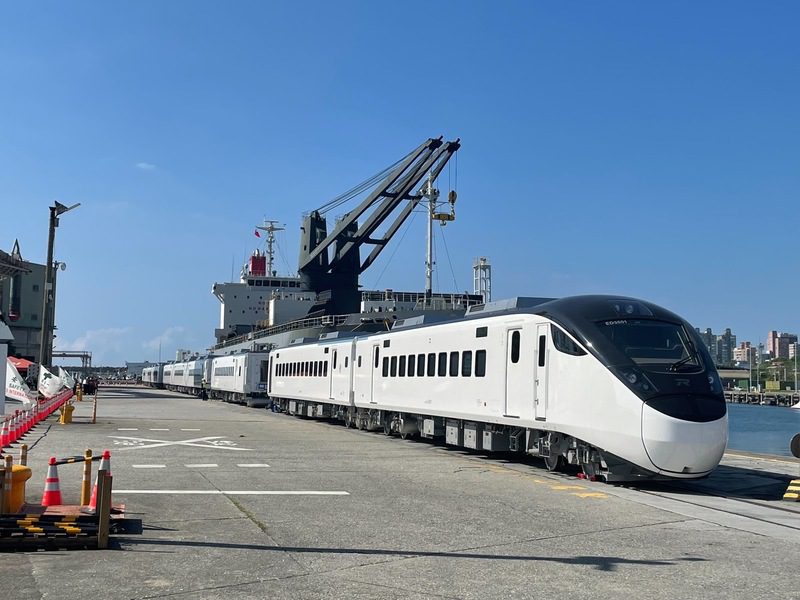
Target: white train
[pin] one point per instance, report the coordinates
(234, 378)
(619, 387)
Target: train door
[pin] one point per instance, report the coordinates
(516, 382)
(373, 372)
(332, 373)
(540, 372)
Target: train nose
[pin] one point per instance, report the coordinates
(683, 447)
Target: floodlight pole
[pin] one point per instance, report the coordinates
(48, 305)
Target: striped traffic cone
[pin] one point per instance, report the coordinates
(14, 428)
(105, 464)
(5, 435)
(52, 491)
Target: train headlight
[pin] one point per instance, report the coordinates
(714, 383)
(635, 379)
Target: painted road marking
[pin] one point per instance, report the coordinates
(201, 466)
(237, 492)
(158, 429)
(214, 441)
(252, 465)
(127, 429)
(149, 466)
(190, 430)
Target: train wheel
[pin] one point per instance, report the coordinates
(554, 463)
(348, 419)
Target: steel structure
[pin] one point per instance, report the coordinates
(330, 264)
(86, 357)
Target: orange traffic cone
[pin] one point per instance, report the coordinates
(5, 435)
(105, 465)
(52, 491)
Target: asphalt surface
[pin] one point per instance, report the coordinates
(253, 504)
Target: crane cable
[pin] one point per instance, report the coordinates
(360, 188)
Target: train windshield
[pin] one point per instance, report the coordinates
(657, 345)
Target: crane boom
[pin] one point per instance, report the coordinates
(330, 264)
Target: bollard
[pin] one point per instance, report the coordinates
(23, 455)
(79, 393)
(66, 413)
(94, 408)
(19, 475)
(87, 478)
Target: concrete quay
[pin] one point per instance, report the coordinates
(244, 503)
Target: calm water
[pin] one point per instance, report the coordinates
(764, 429)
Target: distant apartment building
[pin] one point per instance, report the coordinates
(779, 344)
(743, 353)
(721, 347)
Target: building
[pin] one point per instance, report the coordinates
(22, 302)
(743, 353)
(11, 266)
(720, 347)
(779, 344)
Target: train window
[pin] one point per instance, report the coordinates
(431, 364)
(346, 361)
(420, 365)
(454, 364)
(386, 343)
(466, 363)
(564, 343)
(481, 332)
(377, 356)
(359, 361)
(412, 364)
(542, 348)
(442, 368)
(325, 369)
(315, 371)
(240, 370)
(402, 372)
(515, 337)
(385, 366)
(393, 366)
(334, 359)
(326, 350)
(480, 363)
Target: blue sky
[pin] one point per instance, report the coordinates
(627, 148)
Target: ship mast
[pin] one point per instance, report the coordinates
(270, 227)
(431, 195)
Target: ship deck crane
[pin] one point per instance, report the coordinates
(330, 264)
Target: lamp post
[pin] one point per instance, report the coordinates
(48, 308)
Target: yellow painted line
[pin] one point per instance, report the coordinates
(589, 494)
(567, 487)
